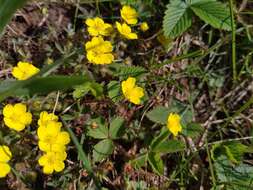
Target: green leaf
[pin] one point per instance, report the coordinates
(117, 128)
(159, 114)
(124, 71)
(140, 161)
(169, 146)
(7, 9)
(93, 87)
(177, 19)
(234, 177)
(192, 130)
(102, 150)
(233, 150)
(39, 85)
(213, 12)
(97, 128)
(156, 163)
(164, 134)
(44, 85)
(114, 91)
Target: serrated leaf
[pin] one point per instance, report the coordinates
(156, 162)
(234, 151)
(124, 71)
(97, 129)
(102, 150)
(116, 129)
(177, 19)
(169, 146)
(213, 12)
(234, 177)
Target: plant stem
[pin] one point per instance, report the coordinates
(210, 165)
(233, 26)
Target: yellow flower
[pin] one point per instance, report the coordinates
(129, 14)
(126, 31)
(99, 51)
(97, 26)
(144, 26)
(51, 138)
(45, 118)
(24, 70)
(52, 161)
(16, 117)
(132, 92)
(173, 123)
(5, 156)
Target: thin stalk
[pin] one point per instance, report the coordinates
(233, 27)
(210, 165)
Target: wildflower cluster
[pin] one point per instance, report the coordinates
(5, 156)
(100, 51)
(52, 141)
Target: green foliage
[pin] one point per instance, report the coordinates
(7, 9)
(125, 71)
(102, 150)
(159, 114)
(83, 89)
(178, 16)
(156, 162)
(82, 155)
(116, 128)
(233, 177)
(39, 85)
(233, 150)
(169, 146)
(114, 91)
(192, 130)
(97, 129)
(213, 12)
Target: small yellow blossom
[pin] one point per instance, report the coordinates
(51, 138)
(5, 156)
(126, 31)
(24, 70)
(132, 92)
(129, 14)
(46, 118)
(173, 123)
(97, 26)
(52, 161)
(144, 26)
(16, 116)
(99, 51)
